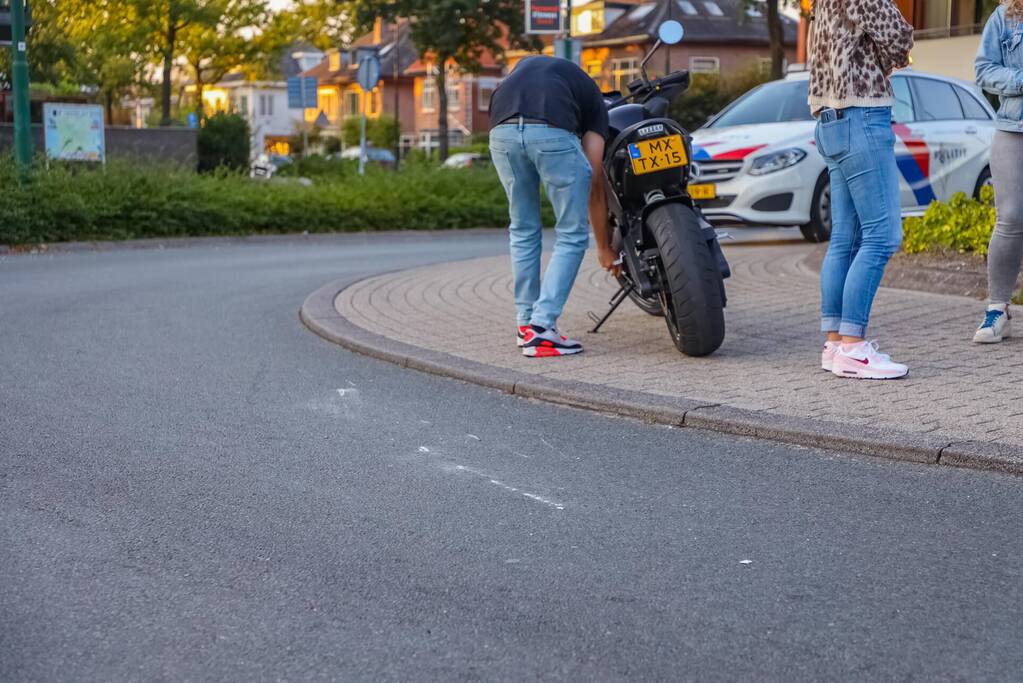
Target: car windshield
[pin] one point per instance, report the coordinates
(775, 102)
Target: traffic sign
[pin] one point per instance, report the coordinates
(369, 72)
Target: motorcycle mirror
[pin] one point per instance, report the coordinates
(671, 32)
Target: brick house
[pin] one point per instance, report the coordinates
(468, 102)
(339, 94)
(722, 37)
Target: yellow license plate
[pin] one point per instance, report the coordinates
(704, 191)
(659, 154)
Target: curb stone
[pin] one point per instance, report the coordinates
(319, 314)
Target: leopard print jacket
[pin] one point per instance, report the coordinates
(854, 47)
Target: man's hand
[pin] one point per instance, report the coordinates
(609, 259)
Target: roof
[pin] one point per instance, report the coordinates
(397, 46)
(705, 21)
(487, 63)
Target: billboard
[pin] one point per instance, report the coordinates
(544, 16)
(74, 132)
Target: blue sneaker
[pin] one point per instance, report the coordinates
(996, 325)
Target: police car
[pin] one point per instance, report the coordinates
(756, 163)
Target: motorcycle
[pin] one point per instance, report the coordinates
(671, 261)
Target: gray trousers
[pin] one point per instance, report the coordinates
(1005, 252)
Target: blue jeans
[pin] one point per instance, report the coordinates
(866, 221)
(526, 156)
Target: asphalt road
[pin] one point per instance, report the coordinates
(195, 487)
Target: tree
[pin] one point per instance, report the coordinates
(776, 36)
(452, 33)
(109, 52)
(775, 29)
(167, 24)
(321, 23)
(220, 42)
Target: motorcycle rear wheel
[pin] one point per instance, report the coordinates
(652, 306)
(691, 283)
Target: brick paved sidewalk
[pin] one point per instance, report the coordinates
(769, 361)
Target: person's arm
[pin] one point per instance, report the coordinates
(992, 74)
(886, 27)
(593, 148)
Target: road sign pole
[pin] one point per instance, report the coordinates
(19, 82)
(362, 139)
(305, 124)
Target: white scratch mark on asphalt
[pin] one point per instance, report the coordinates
(551, 446)
(473, 437)
(511, 489)
(424, 449)
(745, 561)
(344, 392)
(347, 404)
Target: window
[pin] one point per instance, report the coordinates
(266, 105)
(774, 102)
(334, 61)
(372, 103)
(704, 65)
(764, 66)
(935, 100)
(584, 22)
(902, 110)
(595, 70)
(244, 104)
(753, 11)
(713, 9)
(429, 94)
(352, 104)
(688, 8)
(971, 107)
(454, 96)
(623, 72)
(329, 103)
(487, 87)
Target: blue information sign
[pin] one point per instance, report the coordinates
(302, 92)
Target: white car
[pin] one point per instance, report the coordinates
(756, 163)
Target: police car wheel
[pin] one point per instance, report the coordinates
(819, 227)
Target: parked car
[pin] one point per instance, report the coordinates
(467, 160)
(266, 166)
(374, 155)
(757, 163)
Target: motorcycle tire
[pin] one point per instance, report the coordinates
(651, 306)
(691, 283)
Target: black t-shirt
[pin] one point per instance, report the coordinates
(554, 90)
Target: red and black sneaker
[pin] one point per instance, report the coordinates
(521, 336)
(546, 343)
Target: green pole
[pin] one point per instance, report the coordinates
(19, 64)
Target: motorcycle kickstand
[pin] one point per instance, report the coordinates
(615, 302)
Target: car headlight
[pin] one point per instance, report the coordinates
(776, 161)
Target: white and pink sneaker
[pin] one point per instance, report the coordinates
(864, 361)
(828, 355)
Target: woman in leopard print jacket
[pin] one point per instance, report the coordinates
(855, 46)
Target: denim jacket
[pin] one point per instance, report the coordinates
(999, 68)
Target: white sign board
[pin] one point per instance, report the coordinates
(74, 132)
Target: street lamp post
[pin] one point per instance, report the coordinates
(19, 83)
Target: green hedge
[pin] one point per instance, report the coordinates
(962, 224)
(74, 203)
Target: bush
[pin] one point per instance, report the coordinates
(962, 224)
(382, 132)
(316, 166)
(224, 142)
(130, 201)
